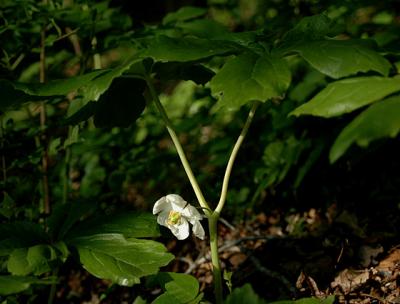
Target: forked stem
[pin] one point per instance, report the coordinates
(199, 194)
(212, 216)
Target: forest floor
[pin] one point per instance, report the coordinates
(283, 256)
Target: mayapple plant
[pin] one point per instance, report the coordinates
(240, 69)
(175, 213)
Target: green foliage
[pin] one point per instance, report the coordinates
(122, 260)
(340, 58)
(250, 77)
(347, 95)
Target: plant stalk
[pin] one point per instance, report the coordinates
(199, 194)
(232, 158)
(216, 266)
(42, 114)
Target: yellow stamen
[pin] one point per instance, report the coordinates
(174, 218)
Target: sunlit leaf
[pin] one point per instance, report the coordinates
(347, 95)
(378, 121)
(123, 261)
(340, 58)
(251, 77)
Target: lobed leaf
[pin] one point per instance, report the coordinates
(250, 77)
(340, 58)
(347, 95)
(378, 121)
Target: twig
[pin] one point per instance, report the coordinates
(42, 109)
(375, 297)
(227, 224)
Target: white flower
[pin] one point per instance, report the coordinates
(176, 214)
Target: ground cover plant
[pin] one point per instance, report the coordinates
(224, 152)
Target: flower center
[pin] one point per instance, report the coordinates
(174, 218)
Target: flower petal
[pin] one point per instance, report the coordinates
(198, 230)
(191, 214)
(176, 201)
(180, 231)
(162, 218)
(161, 204)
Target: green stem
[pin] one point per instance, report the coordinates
(216, 267)
(179, 149)
(232, 158)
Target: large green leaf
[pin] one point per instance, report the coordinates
(123, 261)
(163, 48)
(14, 284)
(379, 120)
(340, 58)
(60, 86)
(179, 288)
(347, 95)
(90, 86)
(244, 294)
(130, 224)
(333, 57)
(251, 77)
